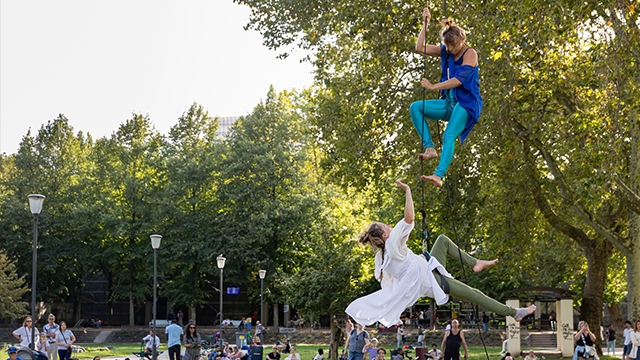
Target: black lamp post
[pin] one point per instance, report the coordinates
(262, 274)
(221, 260)
(35, 203)
(155, 244)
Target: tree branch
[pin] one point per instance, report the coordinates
(552, 217)
(626, 195)
(584, 215)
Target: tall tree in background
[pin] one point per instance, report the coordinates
(52, 163)
(126, 171)
(266, 206)
(12, 287)
(187, 207)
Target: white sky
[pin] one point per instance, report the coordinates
(97, 62)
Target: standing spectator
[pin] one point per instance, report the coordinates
(294, 354)
(171, 318)
(148, 341)
(23, 333)
(319, 355)
(505, 341)
(260, 331)
(357, 342)
(64, 340)
(485, 322)
(611, 340)
(552, 320)
(373, 349)
(452, 341)
(348, 326)
(192, 343)
(584, 337)
(180, 318)
(217, 337)
(420, 335)
(337, 336)
(49, 331)
(635, 341)
(400, 335)
(174, 332)
(274, 354)
(248, 324)
(627, 340)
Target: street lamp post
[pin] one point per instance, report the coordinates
(262, 274)
(35, 203)
(155, 244)
(221, 259)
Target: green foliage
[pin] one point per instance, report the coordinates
(12, 288)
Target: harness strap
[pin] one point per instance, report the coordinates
(443, 280)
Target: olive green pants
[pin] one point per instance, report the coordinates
(460, 290)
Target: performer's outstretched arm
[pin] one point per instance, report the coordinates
(409, 213)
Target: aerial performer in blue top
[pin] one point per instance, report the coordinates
(461, 103)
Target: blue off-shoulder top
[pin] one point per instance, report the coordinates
(468, 93)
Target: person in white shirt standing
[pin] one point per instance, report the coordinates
(64, 340)
(627, 340)
(23, 333)
(49, 331)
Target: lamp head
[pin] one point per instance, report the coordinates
(155, 241)
(35, 203)
(262, 274)
(221, 259)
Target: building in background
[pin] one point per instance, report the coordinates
(225, 124)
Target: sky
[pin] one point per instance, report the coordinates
(97, 62)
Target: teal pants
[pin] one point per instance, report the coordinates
(443, 247)
(436, 110)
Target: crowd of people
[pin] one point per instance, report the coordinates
(55, 340)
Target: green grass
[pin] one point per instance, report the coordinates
(121, 349)
(307, 352)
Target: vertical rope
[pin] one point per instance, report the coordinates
(453, 222)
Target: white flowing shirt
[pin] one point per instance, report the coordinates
(406, 277)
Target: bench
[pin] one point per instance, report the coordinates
(159, 323)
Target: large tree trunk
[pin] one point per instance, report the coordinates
(615, 317)
(592, 303)
(633, 256)
(132, 318)
(276, 315)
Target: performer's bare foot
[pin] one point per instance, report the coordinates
(522, 312)
(434, 179)
(428, 154)
(483, 264)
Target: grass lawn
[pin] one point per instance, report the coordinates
(121, 349)
(307, 352)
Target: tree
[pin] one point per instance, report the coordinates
(187, 205)
(12, 287)
(544, 86)
(53, 163)
(126, 172)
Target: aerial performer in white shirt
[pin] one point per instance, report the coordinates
(406, 277)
